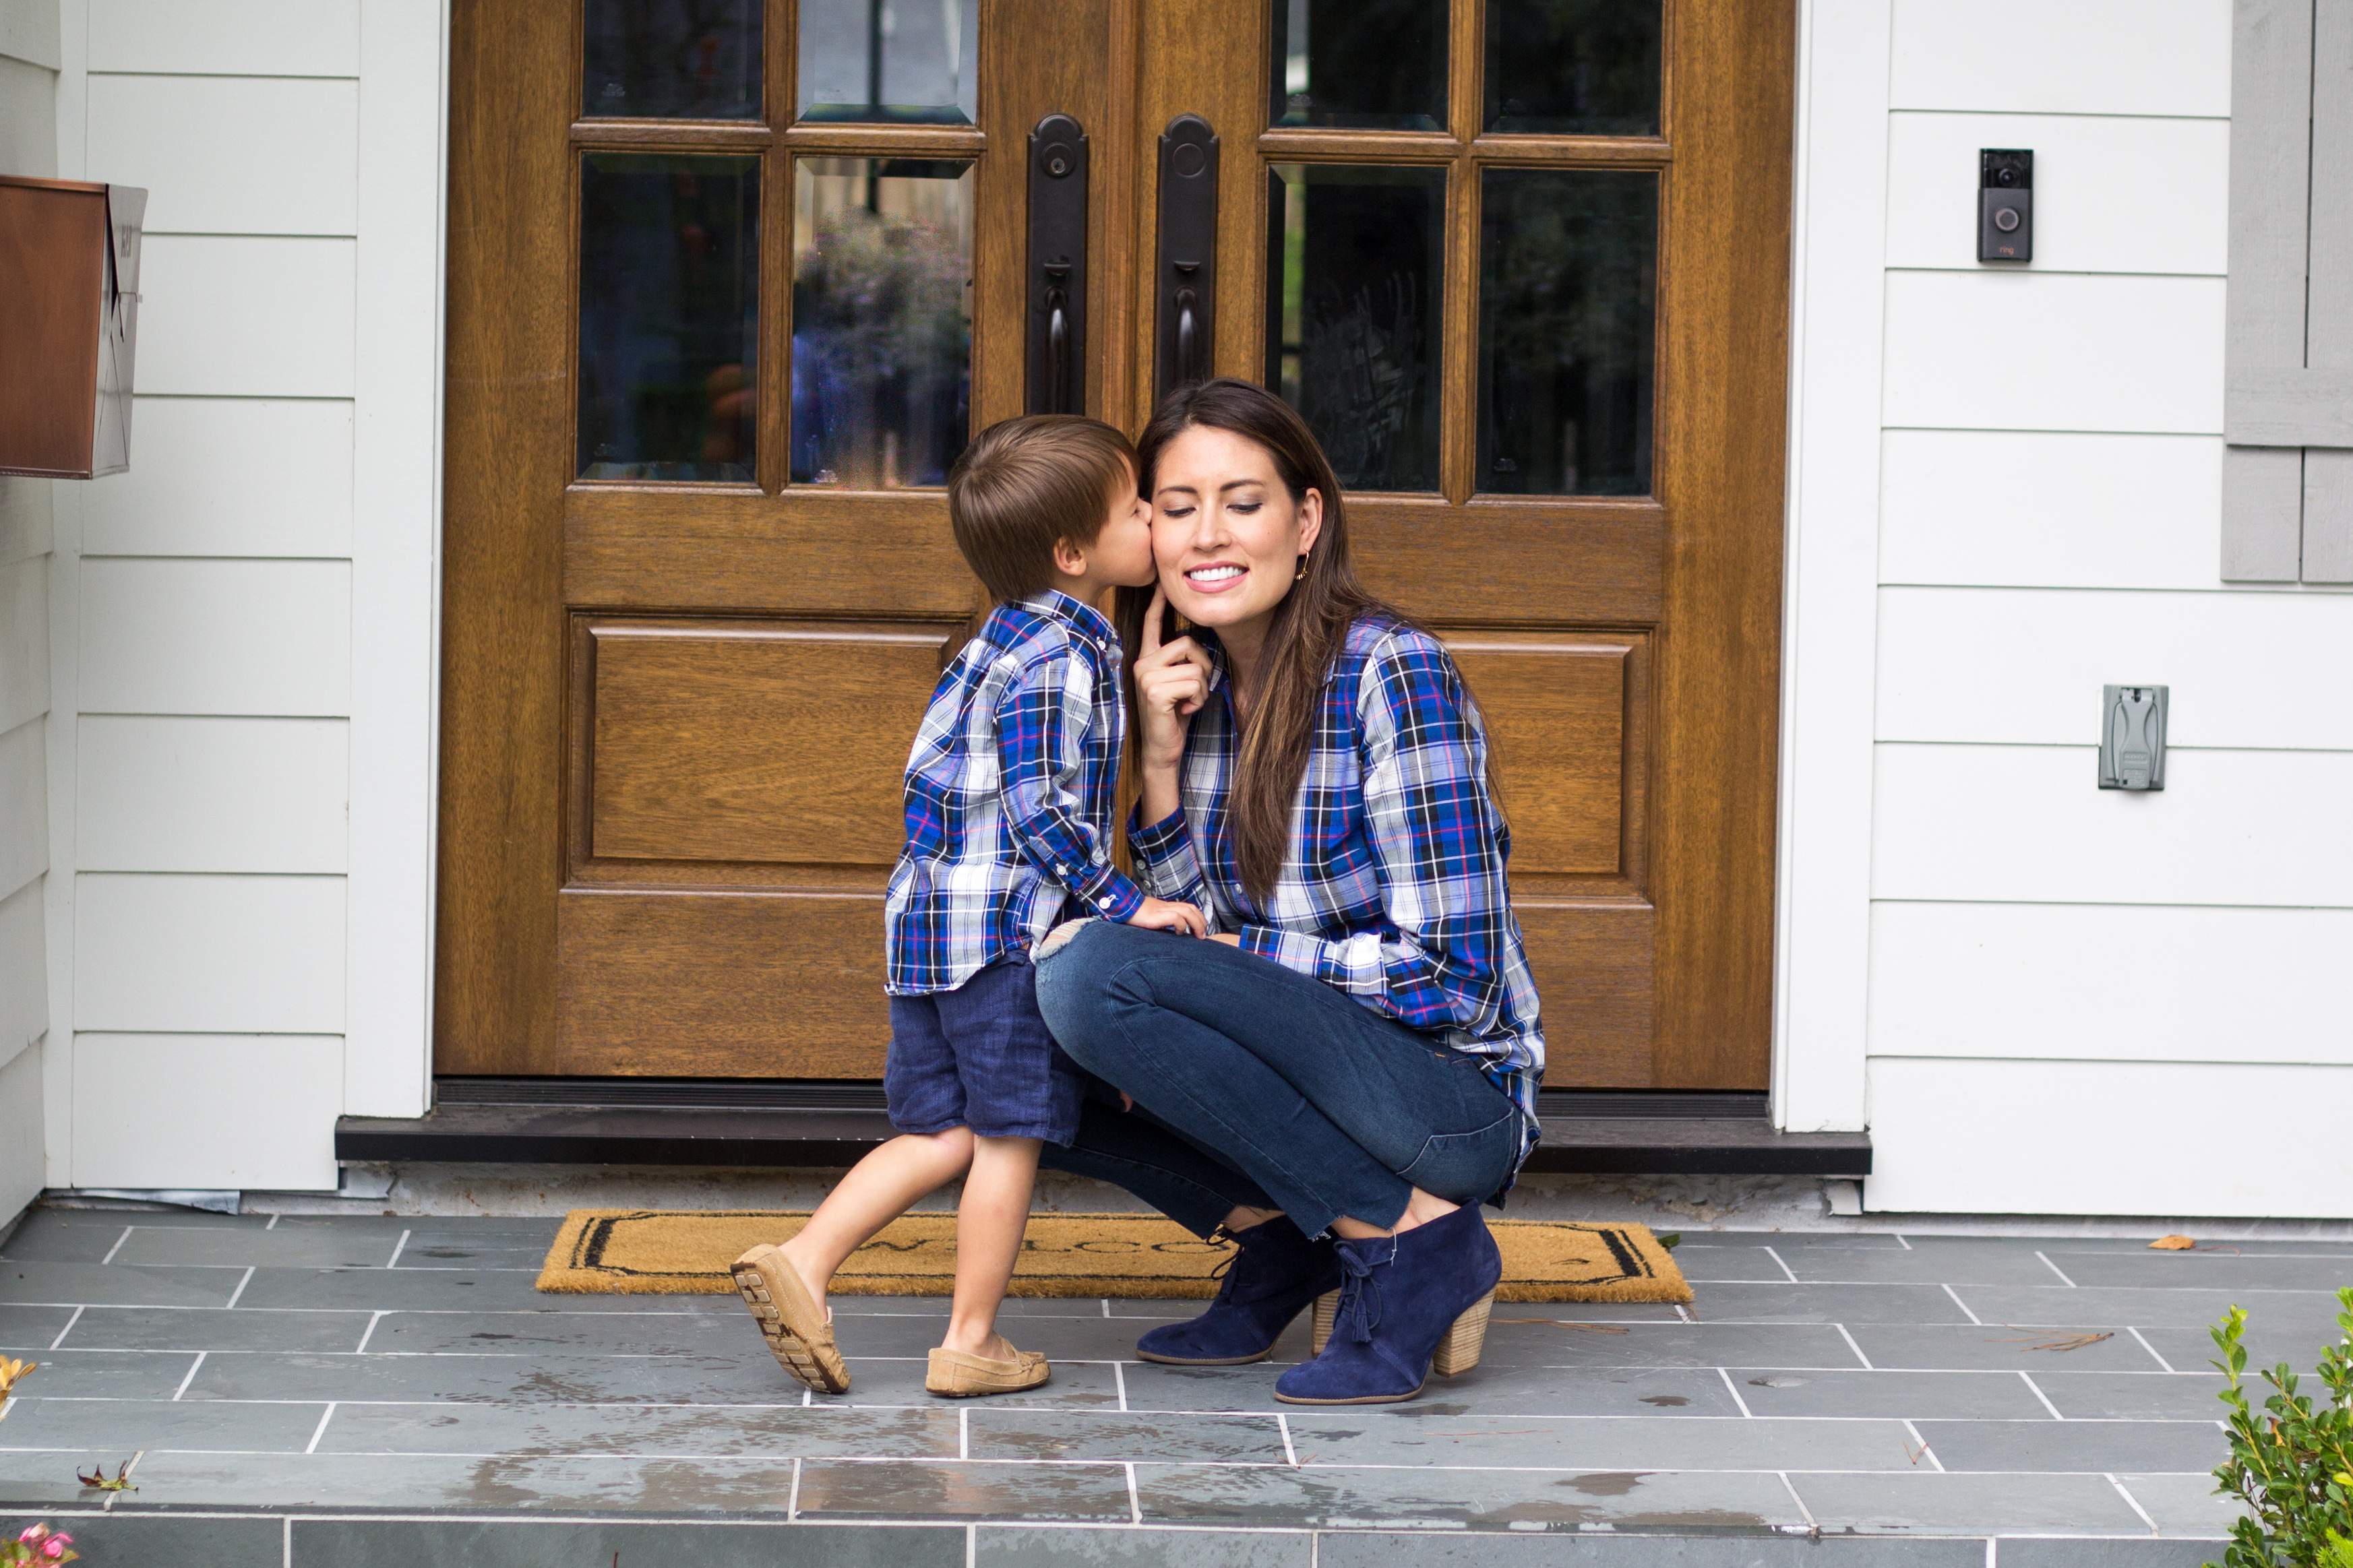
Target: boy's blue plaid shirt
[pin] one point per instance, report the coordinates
(1009, 796)
(1393, 890)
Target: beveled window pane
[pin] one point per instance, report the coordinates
(1573, 67)
(1358, 257)
(905, 61)
(1567, 318)
(881, 320)
(661, 59)
(669, 300)
(1377, 65)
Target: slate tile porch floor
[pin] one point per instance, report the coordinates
(384, 1391)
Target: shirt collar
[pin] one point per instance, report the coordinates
(1217, 652)
(1079, 615)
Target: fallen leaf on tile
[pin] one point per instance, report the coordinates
(2173, 1244)
(99, 1480)
(1564, 1323)
(2049, 1342)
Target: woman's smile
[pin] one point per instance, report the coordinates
(1216, 577)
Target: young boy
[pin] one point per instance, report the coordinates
(1008, 806)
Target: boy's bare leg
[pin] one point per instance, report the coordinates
(878, 1189)
(989, 1222)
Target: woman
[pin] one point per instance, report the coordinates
(1349, 1067)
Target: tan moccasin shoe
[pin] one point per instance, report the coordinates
(800, 1332)
(960, 1374)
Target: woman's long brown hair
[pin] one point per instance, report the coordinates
(1309, 629)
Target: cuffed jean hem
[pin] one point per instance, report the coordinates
(1319, 1101)
(1128, 1150)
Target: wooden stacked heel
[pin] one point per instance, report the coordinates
(1458, 1351)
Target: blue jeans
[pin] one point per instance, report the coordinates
(1262, 1086)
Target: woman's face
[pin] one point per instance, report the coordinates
(1225, 533)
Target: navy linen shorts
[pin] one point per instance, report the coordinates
(980, 1057)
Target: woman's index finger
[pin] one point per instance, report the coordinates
(1152, 620)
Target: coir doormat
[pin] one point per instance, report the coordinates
(679, 1253)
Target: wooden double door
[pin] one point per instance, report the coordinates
(731, 281)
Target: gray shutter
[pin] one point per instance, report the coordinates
(2287, 470)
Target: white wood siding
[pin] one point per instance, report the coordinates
(2111, 194)
(209, 954)
(23, 638)
(246, 315)
(275, 156)
(2026, 665)
(214, 1111)
(23, 987)
(2008, 823)
(2037, 509)
(216, 637)
(2058, 350)
(213, 795)
(2110, 983)
(28, 145)
(226, 38)
(2078, 1001)
(2062, 57)
(23, 812)
(230, 475)
(2162, 1139)
(217, 601)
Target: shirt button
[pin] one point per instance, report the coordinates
(1061, 870)
(1102, 903)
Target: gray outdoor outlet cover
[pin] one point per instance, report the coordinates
(2132, 737)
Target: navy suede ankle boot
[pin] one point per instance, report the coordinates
(1274, 1275)
(1409, 1301)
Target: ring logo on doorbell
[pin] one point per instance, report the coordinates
(2005, 204)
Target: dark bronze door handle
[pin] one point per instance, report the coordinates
(1056, 377)
(1187, 279)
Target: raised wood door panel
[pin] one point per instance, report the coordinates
(776, 744)
(675, 712)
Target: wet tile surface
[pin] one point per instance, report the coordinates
(1826, 1400)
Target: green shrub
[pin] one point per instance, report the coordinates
(2293, 1465)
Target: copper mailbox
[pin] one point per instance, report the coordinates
(69, 321)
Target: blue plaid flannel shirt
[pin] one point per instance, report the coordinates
(1009, 796)
(1393, 890)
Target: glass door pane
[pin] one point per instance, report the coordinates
(1573, 67)
(881, 354)
(659, 60)
(668, 316)
(1356, 266)
(905, 61)
(1567, 322)
(1370, 64)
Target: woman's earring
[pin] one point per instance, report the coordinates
(1301, 575)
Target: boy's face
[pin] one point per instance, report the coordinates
(1123, 551)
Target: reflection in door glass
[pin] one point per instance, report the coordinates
(696, 60)
(670, 293)
(1358, 255)
(1573, 67)
(881, 320)
(1372, 64)
(1567, 302)
(903, 60)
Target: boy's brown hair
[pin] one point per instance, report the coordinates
(1026, 483)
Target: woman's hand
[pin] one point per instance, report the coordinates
(1172, 681)
(1160, 914)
